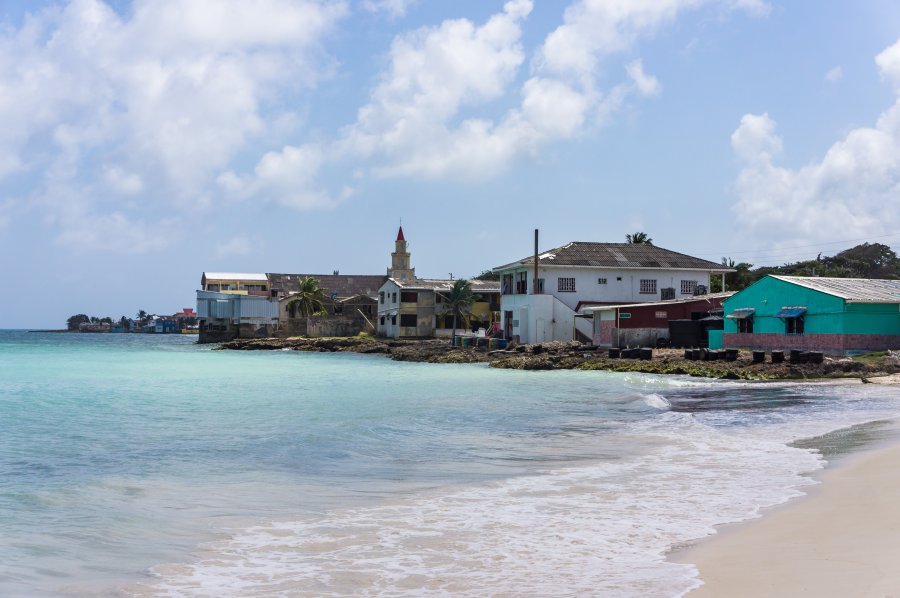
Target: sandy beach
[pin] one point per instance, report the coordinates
(843, 539)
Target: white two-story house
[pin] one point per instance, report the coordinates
(584, 274)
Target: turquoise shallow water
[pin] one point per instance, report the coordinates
(141, 464)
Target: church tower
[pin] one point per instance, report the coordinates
(400, 269)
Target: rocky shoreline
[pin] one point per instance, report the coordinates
(573, 355)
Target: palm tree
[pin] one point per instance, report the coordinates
(459, 302)
(638, 239)
(309, 299)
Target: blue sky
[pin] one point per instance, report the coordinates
(144, 142)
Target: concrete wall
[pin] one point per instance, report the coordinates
(626, 290)
(833, 344)
(538, 318)
(319, 326)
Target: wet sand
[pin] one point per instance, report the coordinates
(843, 539)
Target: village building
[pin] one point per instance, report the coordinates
(579, 275)
(350, 304)
(238, 283)
(227, 316)
(244, 305)
(831, 315)
(410, 307)
(677, 322)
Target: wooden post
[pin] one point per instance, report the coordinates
(535, 285)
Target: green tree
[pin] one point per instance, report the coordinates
(741, 279)
(638, 239)
(459, 302)
(75, 321)
(487, 275)
(309, 300)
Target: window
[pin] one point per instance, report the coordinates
(382, 320)
(540, 290)
(507, 285)
(393, 297)
(521, 283)
(688, 287)
(745, 325)
(662, 315)
(601, 281)
(408, 320)
(381, 299)
(648, 286)
(393, 320)
(565, 285)
(408, 297)
(793, 325)
(438, 298)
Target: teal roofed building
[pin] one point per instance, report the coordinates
(832, 315)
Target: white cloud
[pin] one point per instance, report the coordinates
(834, 75)
(239, 245)
(851, 192)
(286, 177)
(888, 62)
(648, 85)
(434, 114)
(394, 8)
(118, 233)
(435, 73)
(170, 94)
(122, 182)
(755, 139)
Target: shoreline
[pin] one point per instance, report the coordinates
(878, 368)
(840, 538)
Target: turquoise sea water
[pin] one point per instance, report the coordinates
(148, 465)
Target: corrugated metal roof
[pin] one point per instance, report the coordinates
(342, 285)
(255, 277)
(852, 290)
(618, 255)
(661, 302)
(431, 284)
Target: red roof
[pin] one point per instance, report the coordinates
(400, 235)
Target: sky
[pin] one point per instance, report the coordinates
(145, 142)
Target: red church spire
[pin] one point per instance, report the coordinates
(400, 236)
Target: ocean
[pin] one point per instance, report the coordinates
(143, 465)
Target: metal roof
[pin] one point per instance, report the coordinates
(691, 299)
(618, 255)
(431, 284)
(254, 277)
(342, 285)
(852, 290)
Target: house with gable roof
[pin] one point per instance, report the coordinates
(580, 275)
(831, 315)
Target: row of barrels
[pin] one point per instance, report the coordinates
(645, 353)
(711, 354)
(795, 356)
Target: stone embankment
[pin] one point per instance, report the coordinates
(573, 355)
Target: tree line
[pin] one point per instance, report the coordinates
(142, 319)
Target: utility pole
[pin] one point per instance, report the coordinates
(535, 287)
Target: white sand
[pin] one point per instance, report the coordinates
(842, 540)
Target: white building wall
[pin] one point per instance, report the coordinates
(541, 319)
(388, 308)
(621, 285)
